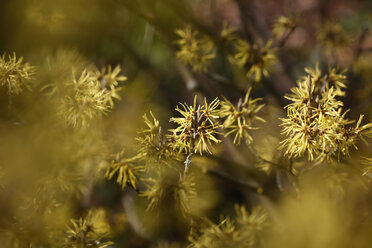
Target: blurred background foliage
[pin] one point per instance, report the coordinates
(53, 191)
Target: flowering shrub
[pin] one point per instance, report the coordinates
(191, 124)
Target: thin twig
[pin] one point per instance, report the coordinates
(188, 78)
(286, 37)
(244, 21)
(252, 186)
(188, 161)
(361, 39)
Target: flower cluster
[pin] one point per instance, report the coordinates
(15, 75)
(197, 128)
(126, 168)
(245, 232)
(90, 95)
(90, 231)
(85, 102)
(316, 124)
(334, 77)
(170, 186)
(240, 118)
(194, 49)
(109, 82)
(258, 58)
(198, 51)
(332, 36)
(156, 147)
(252, 225)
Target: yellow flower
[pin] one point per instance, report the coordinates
(14, 74)
(315, 122)
(197, 128)
(169, 185)
(84, 103)
(228, 33)
(258, 58)
(283, 24)
(90, 95)
(155, 147)
(90, 231)
(242, 53)
(194, 49)
(332, 36)
(245, 231)
(240, 118)
(251, 225)
(263, 59)
(126, 169)
(109, 82)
